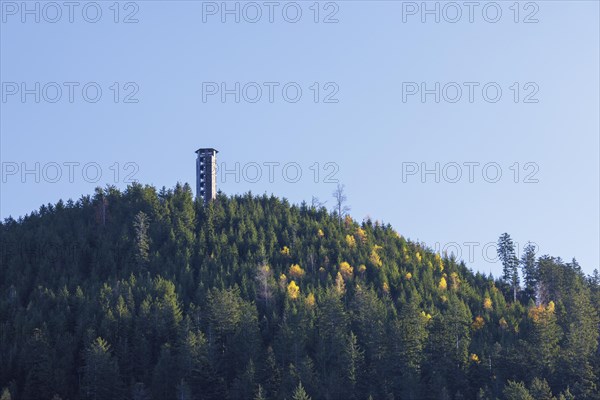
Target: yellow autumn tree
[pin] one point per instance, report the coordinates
(340, 286)
(310, 300)
(296, 271)
(285, 251)
(487, 304)
(443, 284)
(293, 290)
(362, 268)
(541, 312)
(408, 276)
(350, 241)
(454, 280)
(438, 262)
(346, 270)
(320, 233)
(348, 221)
(374, 257)
(418, 257)
(362, 235)
(478, 323)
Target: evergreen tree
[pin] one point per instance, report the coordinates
(540, 390)
(142, 245)
(409, 337)
(516, 391)
(300, 393)
(165, 378)
(544, 339)
(510, 272)
(529, 267)
(260, 394)
(101, 380)
(39, 380)
(355, 360)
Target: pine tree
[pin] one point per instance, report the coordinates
(355, 358)
(516, 391)
(408, 339)
(142, 245)
(165, 378)
(510, 263)
(544, 339)
(101, 380)
(566, 395)
(38, 383)
(260, 394)
(581, 340)
(529, 267)
(540, 390)
(332, 325)
(300, 393)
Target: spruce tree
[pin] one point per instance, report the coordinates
(510, 263)
(300, 393)
(101, 379)
(529, 268)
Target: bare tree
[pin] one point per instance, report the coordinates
(341, 207)
(264, 279)
(316, 203)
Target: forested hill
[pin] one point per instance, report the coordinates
(145, 294)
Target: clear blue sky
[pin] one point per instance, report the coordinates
(370, 134)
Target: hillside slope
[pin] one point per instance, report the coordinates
(145, 294)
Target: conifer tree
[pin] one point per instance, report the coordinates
(142, 244)
(101, 380)
(300, 393)
(516, 391)
(510, 271)
(529, 268)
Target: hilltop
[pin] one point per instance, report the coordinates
(147, 294)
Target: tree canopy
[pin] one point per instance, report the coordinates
(148, 294)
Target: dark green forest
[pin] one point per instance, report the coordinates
(146, 294)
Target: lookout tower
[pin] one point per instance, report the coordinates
(206, 174)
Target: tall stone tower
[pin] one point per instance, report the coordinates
(206, 174)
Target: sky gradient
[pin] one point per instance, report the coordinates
(361, 118)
